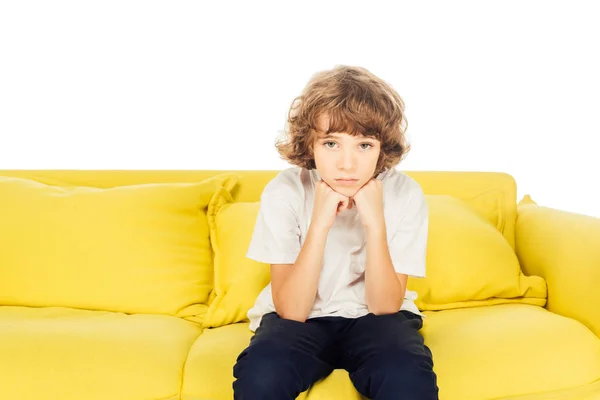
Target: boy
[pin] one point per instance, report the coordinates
(342, 230)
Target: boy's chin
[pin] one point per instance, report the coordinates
(346, 191)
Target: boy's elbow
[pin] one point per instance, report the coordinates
(293, 317)
(283, 312)
(290, 314)
(383, 309)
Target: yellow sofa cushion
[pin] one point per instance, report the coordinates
(238, 280)
(507, 350)
(68, 354)
(487, 352)
(209, 369)
(134, 249)
(469, 262)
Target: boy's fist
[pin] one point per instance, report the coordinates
(369, 203)
(327, 205)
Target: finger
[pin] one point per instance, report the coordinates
(342, 198)
(342, 205)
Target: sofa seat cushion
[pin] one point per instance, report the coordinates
(209, 368)
(509, 350)
(488, 352)
(67, 354)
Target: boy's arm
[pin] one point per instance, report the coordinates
(388, 266)
(294, 286)
(384, 288)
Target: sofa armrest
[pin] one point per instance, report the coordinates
(564, 249)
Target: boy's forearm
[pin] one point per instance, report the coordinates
(384, 293)
(299, 289)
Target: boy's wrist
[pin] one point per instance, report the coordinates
(318, 228)
(375, 231)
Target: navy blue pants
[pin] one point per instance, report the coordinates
(384, 354)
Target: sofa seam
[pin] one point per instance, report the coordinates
(185, 365)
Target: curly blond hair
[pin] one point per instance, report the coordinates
(356, 102)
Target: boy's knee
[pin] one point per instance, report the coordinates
(255, 382)
(263, 370)
(398, 370)
(403, 363)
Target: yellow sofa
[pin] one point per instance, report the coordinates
(133, 285)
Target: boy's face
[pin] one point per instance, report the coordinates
(345, 162)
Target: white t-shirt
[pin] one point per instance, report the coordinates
(282, 225)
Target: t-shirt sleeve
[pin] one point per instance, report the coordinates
(408, 246)
(276, 236)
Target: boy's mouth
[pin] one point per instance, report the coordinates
(346, 181)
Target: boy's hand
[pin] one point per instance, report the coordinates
(327, 205)
(369, 203)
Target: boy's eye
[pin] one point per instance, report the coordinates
(330, 145)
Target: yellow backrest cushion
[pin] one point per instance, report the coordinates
(133, 249)
(238, 280)
(469, 262)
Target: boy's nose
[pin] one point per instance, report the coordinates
(346, 161)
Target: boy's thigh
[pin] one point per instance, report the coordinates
(280, 338)
(284, 358)
(376, 337)
(273, 328)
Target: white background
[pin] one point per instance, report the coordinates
(508, 86)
